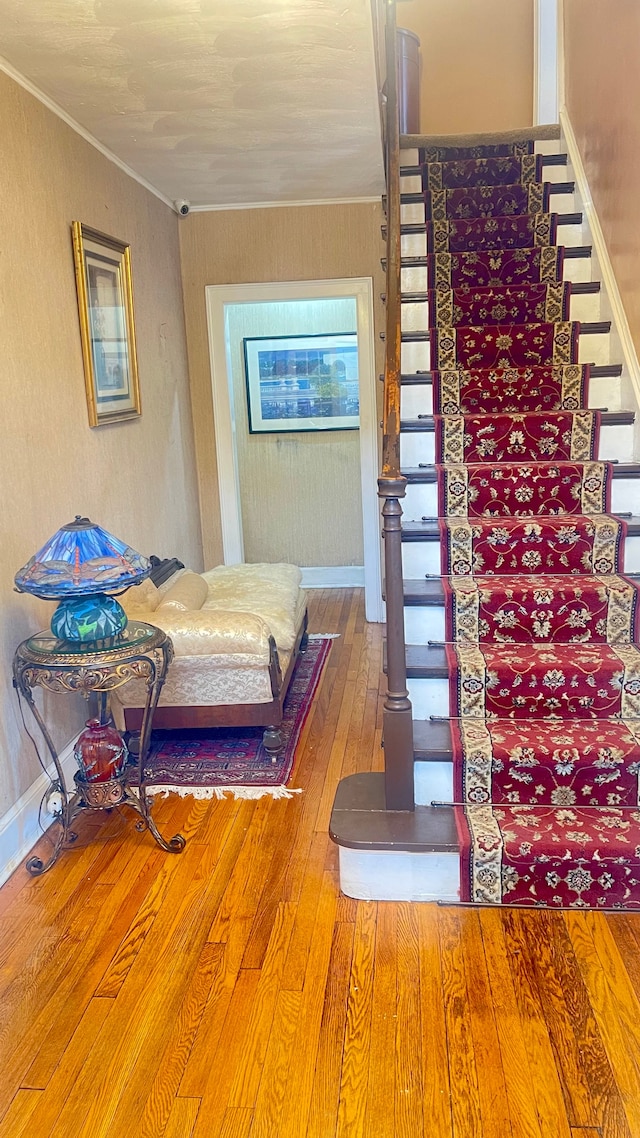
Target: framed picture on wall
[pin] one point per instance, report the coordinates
(107, 331)
(302, 383)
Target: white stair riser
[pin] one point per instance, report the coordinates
(616, 441)
(432, 782)
(421, 499)
(380, 875)
(423, 623)
(411, 183)
(420, 558)
(417, 399)
(429, 697)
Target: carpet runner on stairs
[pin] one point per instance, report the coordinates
(541, 623)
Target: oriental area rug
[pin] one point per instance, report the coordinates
(210, 763)
(542, 625)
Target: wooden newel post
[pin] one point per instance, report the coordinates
(397, 718)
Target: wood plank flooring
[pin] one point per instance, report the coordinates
(231, 992)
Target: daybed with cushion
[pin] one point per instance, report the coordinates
(236, 631)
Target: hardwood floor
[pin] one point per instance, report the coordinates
(231, 992)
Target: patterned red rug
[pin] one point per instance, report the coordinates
(504, 304)
(491, 391)
(492, 150)
(541, 624)
(496, 267)
(541, 681)
(548, 609)
(506, 171)
(524, 545)
(575, 763)
(525, 231)
(505, 345)
(545, 856)
(535, 489)
(208, 763)
(556, 436)
(487, 201)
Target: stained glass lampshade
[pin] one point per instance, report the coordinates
(82, 566)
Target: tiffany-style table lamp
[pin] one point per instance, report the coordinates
(82, 566)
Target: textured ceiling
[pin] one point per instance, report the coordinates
(215, 101)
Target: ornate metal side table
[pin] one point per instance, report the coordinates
(140, 652)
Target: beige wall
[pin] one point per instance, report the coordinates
(602, 79)
(316, 474)
(245, 246)
(477, 63)
(137, 478)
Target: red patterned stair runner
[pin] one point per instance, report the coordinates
(496, 390)
(541, 623)
(493, 267)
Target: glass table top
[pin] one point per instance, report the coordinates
(135, 635)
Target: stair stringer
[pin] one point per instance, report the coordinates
(622, 347)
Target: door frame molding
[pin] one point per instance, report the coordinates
(547, 47)
(361, 289)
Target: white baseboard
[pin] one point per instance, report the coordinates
(602, 263)
(333, 577)
(19, 828)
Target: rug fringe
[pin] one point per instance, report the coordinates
(223, 791)
(324, 636)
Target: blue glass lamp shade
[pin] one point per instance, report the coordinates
(82, 565)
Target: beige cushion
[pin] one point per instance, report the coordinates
(141, 598)
(216, 634)
(188, 594)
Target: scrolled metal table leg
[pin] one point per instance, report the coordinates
(154, 687)
(35, 865)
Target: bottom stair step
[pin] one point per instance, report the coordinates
(393, 855)
(360, 821)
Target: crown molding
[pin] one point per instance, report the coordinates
(281, 205)
(57, 110)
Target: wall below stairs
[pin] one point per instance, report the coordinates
(243, 246)
(477, 63)
(602, 94)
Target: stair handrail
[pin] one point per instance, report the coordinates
(397, 716)
(391, 414)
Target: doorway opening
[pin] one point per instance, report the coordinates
(294, 396)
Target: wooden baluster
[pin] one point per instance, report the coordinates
(397, 717)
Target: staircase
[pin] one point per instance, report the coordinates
(435, 825)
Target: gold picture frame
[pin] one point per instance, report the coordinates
(107, 329)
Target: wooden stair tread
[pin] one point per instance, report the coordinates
(583, 288)
(426, 424)
(432, 741)
(598, 371)
(571, 252)
(408, 228)
(360, 821)
(427, 473)
(587, 328)
(424, 592)
(429, 530)
(424, 661)
(417, 198)
(547, 160)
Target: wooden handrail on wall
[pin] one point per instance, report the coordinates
(397, 717)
